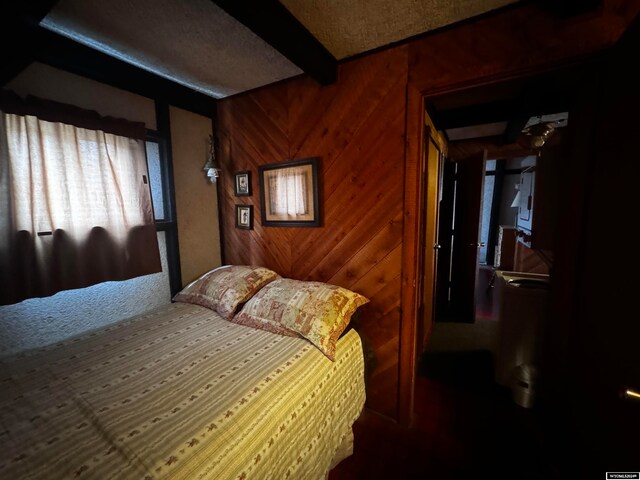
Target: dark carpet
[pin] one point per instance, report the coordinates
(463, 369)
(495, 437)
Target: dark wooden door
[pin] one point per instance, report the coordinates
(607, 332)
(445, 236)
(593, 332)
(466, 238)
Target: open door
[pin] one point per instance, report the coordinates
(434, 145)
(458, 272)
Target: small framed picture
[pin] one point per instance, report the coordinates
(244, 217)
(243, 184)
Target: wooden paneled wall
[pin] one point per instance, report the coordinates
(512, 43)
(367, 130)
(357, 128)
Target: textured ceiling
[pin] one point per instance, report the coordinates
(198, 45)
(349, 27)
(192, 42)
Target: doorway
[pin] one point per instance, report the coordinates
(590, 367)
(478, 214)
(490, 134)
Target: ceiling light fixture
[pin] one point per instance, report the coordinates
(539, 133)
(516, 200)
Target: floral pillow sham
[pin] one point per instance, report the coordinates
(317, 311)
(226, 288)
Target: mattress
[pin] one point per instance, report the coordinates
(179, 393)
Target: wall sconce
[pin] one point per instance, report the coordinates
(211, 168)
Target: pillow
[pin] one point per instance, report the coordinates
(223, 289)
(316, 311)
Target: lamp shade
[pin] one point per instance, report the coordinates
(516, 200)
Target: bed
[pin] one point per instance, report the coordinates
(180, 393)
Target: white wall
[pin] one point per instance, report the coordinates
(47, 82)
(196, 196)
(508, 214)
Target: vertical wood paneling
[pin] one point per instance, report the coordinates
(356, 127)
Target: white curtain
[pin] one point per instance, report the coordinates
(288, 193)
(75, 208)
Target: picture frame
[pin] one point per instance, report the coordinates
(242, 184)
(244, 217)
(289, 193)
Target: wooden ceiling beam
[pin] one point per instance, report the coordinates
(44, 46)
(63, 53)
(272, 22)
(23, 41)
(539, 97)
(18, 19)
(516, 123)
(511, 111)
(472, 115)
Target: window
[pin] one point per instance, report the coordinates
(76, 204)
(155, 166)
(158, 147)
(289, 193)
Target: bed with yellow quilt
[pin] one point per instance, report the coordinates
(225, 383)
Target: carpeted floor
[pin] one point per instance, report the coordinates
(462, 369)
(484, 295)
(494, 436)
(464, 427)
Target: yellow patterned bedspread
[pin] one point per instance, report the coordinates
(178, 393)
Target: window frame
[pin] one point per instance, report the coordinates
(169, 224)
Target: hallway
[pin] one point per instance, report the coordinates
(464, 427)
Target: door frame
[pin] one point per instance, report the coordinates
(413, 298)
(413, 244)
(416, 222)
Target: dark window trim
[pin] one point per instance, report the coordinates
(500, 172)
(161, 140)
(216, 140)
(510, 171)
(164, 226)
(496, 200)
(170, 223)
